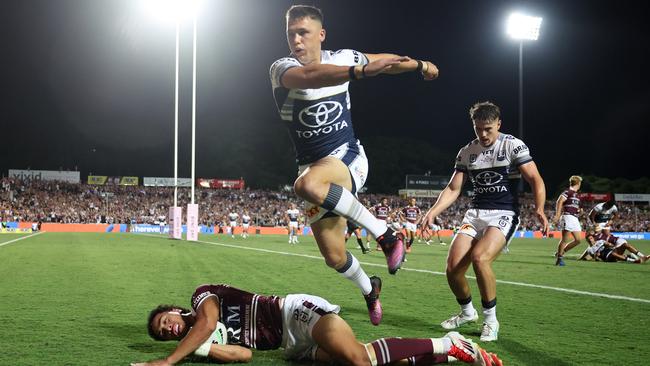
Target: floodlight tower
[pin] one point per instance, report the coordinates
(523, 28)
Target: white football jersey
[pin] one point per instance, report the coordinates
(603, 215)
(494, 171)
(318, 120)
(245, 219)
(233, 216)
(293, 214)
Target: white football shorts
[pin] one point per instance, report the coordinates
(570, 223)
(300, 313)
(476, 221)
(357, 163)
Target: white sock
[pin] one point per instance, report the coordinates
(468, 309)
(441, 345)
(638, 253)
(342, 202)
(490, 315)
(352, 271)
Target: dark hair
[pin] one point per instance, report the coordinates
(301, 11)
(609, 203)
(484, 111)
(156, 311)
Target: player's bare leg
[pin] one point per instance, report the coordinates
(575, 242)
(327, 183)
(331, 244)
(314, 186)
(484, 252)
(561, 247)
(336, 341)
(458, 261)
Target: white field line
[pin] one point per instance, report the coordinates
(24, 237)
(522, 284)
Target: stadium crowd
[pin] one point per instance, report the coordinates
(49, 201)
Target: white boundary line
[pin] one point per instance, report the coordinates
(522, 284)
(24, 237)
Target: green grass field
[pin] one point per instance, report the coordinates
(82, 299)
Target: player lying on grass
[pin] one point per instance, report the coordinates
(609, 248)
(307, 328)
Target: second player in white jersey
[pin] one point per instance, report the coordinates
(493, 162)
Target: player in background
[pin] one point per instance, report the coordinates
(494, 162)
(353, 229)
(310, 88)
(162, 223)
(381, 211)
(434, 228)
(603, 214)
(609, 248)
(291, 217)
(307, 327)
(410, 216)
(232, 219)
(567, 209)
(245, 224)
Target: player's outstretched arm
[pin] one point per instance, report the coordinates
(531, 175)
(428, 69)
(205, 323)
(446, 198)
(229, 353)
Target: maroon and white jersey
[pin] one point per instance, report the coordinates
(253, 321)
(411, 213)
(571, 205)
(609, 238)
(382, 212)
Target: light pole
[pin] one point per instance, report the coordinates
(522, 28)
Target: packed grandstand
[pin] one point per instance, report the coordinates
(62, 202)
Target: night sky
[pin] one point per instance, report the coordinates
(90, 84)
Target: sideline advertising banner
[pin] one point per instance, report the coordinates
(70, 177)
(165, 182)
(97, 179)
(221, 183)
(129, 181)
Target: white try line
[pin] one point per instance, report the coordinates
(522, 284)
(23, 238)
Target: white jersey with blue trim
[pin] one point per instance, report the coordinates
(293, 214)
(603, 215)
(318, 120)
(494, 171)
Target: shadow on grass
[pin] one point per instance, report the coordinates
(136, 337)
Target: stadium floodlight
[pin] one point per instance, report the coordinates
(172, 10)
(523, 27)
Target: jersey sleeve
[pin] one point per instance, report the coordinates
(461, 161)
(348, 57)
(200, 294)
(519, 152)
(278, 69)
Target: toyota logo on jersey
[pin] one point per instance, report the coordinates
(488, 178)
(321, 114)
